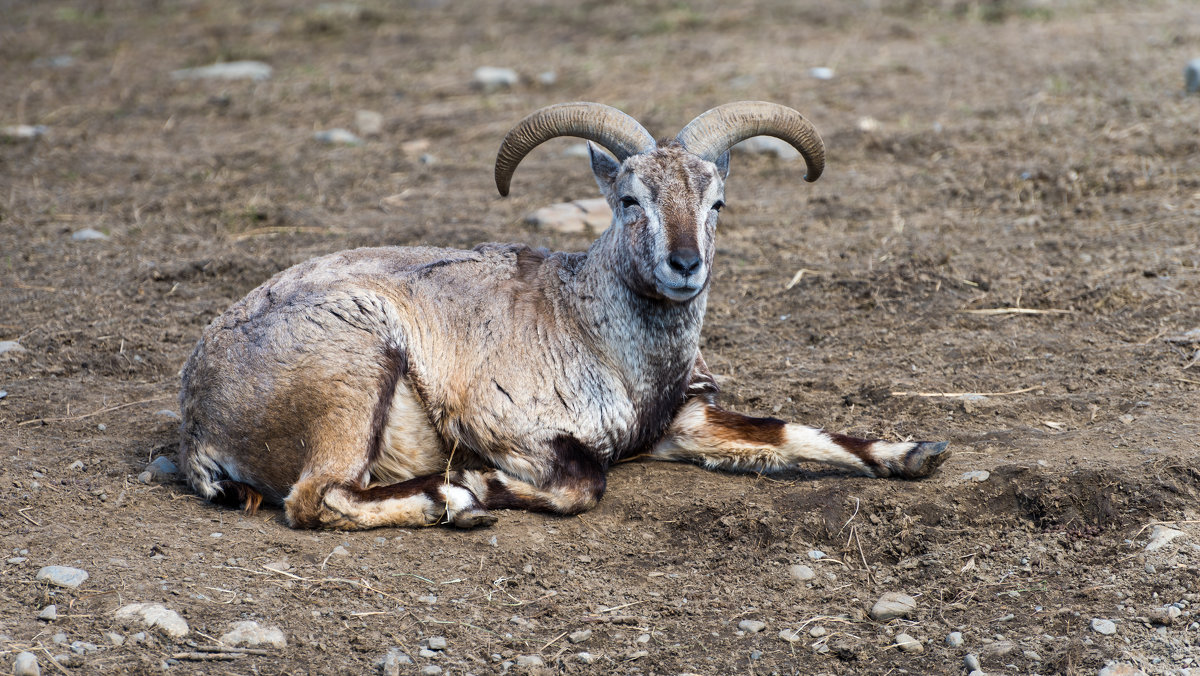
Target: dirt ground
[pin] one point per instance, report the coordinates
(981, 156)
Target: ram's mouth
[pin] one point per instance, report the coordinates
(680, 292)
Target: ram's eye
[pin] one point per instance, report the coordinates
(628, 202)
(718, 205)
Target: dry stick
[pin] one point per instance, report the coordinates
(552, 641)
(97, 412)
(227, 649)
(27, 517)
(342, 580)
(858, 541)
(208, 657)
(1188, 380)
(963, 394)
(54, 661)
(1015, 311)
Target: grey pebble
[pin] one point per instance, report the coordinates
(801, 572)
(954, 639)
(49, 613)
(768, 145)
(253, 635)
(369, 122)
(10, 346)
(23, 132)
(1032, 656)
(83, 647)
(585, 657)
(1191, 75)
(232, 70)
(971, 662)
(426, 653)
(893, 605)
(18, 559)
(436, 643)
(977, 476)
(389, 664)
(167, 413)
(114, 638)
(338, 136)
(4, 393)
(752, 626)
(431, 670)
(909, 644)
(88, 235)
(816, 554)
(161, 470)
(77, 465)
(490, 78)
(528, 661)
(63, 576)
(580, 636)
(817, 631)
(26, 664)
(1103, 626)
(790, 635)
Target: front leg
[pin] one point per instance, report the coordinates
(704, 433)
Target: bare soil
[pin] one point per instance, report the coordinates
(982, 155)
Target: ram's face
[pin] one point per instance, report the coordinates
(666, 202)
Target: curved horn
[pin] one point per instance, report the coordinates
(617, 132)
(716, 131)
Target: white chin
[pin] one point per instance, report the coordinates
(678, 294)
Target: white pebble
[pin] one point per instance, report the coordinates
(63, 576)
(1191, 76)
(821, 73)
(801, 572)
(232, 70)
(1160, 536)
(977, 476)
(23, 132)
(954, 639)
(49, 613)
(893, 605)
(909, 644)
(489, 78)
(436, 643)
(816, 554)
(338, 136)
(88, 235)
(790, 635)
(252, 635)
(752, 626)
(26, 664)
(1103, 626)
(154, 615)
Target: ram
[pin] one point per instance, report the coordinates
(404, 386)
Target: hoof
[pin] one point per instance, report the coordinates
(924, 458)
(473, 518)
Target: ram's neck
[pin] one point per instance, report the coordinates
(653, 340)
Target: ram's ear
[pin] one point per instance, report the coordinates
(604, 168)
(723, 165)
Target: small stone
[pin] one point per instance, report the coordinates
(251, 635)
(1160, 536)
(1121, 669)
(436, 643)
(893, 605)
(368, 122)
(101, 427)
(490, 79)
(580, 216)
(83, 647)
(161, 470)
(114, 638)
(585, 657)
(77, 466)
(580, 636)
(790, 635)
(1032, 655)
(816, 554)
(4, 393)
(88, 235)
(340, 551)
(430, 670)
(868, 124)
(426, 653)
(529, 661)
(1161, 616)
(49, 613)
(154, 615)
(338, 136)
(167, 413)
(26, 664)
(1103, 626)
(63, 576)
(12, 346)
(821, 73)
(801, 572)
(977, 476)
(998, 649)
(18, 560)
(768, 145)
(547, 78)
(23, 132)
(1191, 76)
(817, 631)
(752, 626)
(909, 644)
(971, 662)
(954, 639)
(428, 600)
(389, 664)
(232, 70)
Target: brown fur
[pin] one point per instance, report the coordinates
(736, 427)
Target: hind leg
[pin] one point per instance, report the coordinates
(322, 502)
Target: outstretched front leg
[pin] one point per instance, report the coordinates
(704, 433)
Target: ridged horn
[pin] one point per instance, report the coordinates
(617, 132)
(716, 131)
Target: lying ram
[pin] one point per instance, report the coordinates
(404, 386)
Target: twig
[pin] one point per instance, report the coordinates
(858, 541)
(552, 641)
(625, 605)
(27, 517)
(227, 649)
(54, 661)
(798, 276)
(963, 394)
(208, 657)
(1187, 380)
(106, 409)
(339, 580)
(1015, 311)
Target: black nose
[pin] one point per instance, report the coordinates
(685, 261)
